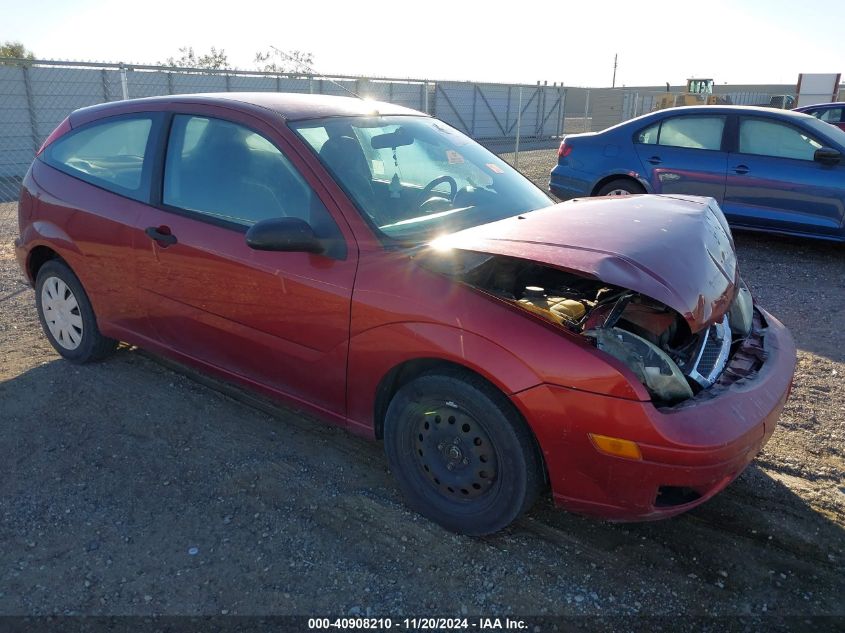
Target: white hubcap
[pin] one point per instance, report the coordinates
(619, 192)
(61, 313)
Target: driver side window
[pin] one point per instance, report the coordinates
(771, 138)
(831, 115)
(232, 174)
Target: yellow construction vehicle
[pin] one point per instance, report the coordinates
(699, 92)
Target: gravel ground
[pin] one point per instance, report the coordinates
(132, 488)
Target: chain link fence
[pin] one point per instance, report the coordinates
(35, 96)
(523, 123)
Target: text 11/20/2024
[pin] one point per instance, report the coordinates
(417, 624)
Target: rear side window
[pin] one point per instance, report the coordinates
(831, 115)
(649, 135)
(230, 173)
(694, 132)
(771, 138)
(108, 153)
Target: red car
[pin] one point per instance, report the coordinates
(378, 268)
(833, 113)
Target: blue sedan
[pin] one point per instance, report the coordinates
(770, 170)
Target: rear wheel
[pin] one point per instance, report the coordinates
(461, 453)
(66, 315)
(620, 187)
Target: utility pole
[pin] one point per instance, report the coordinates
(615, 56)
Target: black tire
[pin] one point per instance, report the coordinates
(461, 453)
(626, 185)
(90, 344)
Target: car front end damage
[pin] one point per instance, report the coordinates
(683, 454)
(714, 370)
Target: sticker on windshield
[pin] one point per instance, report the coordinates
(495, 168)
(378, 167)
(453, 157)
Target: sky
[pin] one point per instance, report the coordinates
(731, 41)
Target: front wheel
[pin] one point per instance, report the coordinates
(462, 455)
(620, 187)
(66, 315)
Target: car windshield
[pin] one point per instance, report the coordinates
(415, 177)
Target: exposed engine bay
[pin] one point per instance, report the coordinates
(651, 339)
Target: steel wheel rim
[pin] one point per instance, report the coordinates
(455, 454)
(61, 313)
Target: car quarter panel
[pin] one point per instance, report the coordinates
(92, 230)
(577, 173)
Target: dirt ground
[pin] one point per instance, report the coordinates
(131, 488)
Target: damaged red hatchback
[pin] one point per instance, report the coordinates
(376, 267)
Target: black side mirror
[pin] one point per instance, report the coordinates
(827, 156)
(283, 234)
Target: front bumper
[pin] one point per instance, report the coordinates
(689, 452)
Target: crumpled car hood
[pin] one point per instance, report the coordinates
(675, 249)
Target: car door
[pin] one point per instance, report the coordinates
(683, 154)
(277, 319)
(774, 182)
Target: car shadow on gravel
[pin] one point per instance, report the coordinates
(136, 489)
(757, 509)
(757, 538)
(801, 282)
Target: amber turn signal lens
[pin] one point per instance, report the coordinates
(616, 447)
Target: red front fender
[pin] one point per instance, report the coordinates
(375, 352)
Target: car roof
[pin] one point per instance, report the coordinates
(659, 115)
(727, 109)
(291, 106)
(821, 106)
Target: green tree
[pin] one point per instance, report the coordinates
(15, 50)
(214, 59)
(276, 61)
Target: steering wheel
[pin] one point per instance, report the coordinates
(425, 194)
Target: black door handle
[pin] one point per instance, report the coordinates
(741, 169)
(158, 234)
(655, 160)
